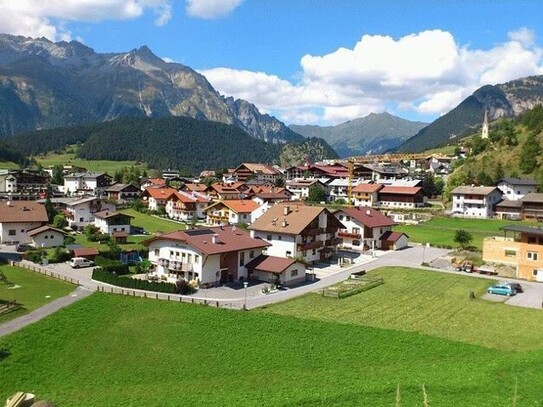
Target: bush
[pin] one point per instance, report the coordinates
(100, 274)
(34, 256)
(112, 266)
(184, 287)
(60, 255)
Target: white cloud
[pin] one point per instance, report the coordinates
(168, 60)
(210, 9)
(428, 73)
(37, 18)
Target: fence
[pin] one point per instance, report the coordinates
(352, 286)
(46, 272)
(8, 306)
(168, 297)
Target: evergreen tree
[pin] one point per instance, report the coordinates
(498, 172)
(316, 194)
(529, 153)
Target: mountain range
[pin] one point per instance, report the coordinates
(372, 134)
(508, 99)
(48, 85)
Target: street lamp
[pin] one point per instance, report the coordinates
(245, 284)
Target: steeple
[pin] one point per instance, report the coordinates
(484, 132)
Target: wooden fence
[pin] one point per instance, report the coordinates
(8, 307)
(44, 271)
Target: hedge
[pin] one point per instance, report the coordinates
(102, 275)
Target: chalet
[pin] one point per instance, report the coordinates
(186, 206)
(339, 189)
(80, 212)
(386, 171)
(514, 189)
(366, 194)
(532, 206)
(152, 183)
(230, 212)
(271, 196)
(226, 191)
(86, 183)
(23, 182)
(122, 193)
(298, 231)
(279, 270)
(364, 228)
(299, 188)
(476, 202)
(46, 236)
(520, 247)
(157, 198)
(109, 222)
(195, 187)
(263, 172)
(209, 256)
(17, 218)
(333, 171)
(401, 197)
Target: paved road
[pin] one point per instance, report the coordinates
(40, 313)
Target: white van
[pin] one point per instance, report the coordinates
(77, 262)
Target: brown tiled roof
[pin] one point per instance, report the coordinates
(270, 264)
(160, 193)
(22, 211)
(400, 190)
(120, 233)
(464, 189)
(196, 187)
(110, 214)
(45, 228)
(85, 251)
(367, 188)
(259, 168)
(120, 187)
(533, 197)
(229, 239)
(368, 217)
(391, 236)
(297, 218)
(237, 205)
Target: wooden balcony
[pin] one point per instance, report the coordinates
(349, 235)
(310, 245)
(333, 242)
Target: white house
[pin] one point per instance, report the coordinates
(299, 188)
(210, 255)
(19, 217)
(157, 198)
(230, 212)
(185, 206)
(364, 228)
(47, 236)
(514, 189)
(298, 231)
(277, 270)
(92, 183)
(109, 222)
(475, 202)
(366, 194)
(80, 213)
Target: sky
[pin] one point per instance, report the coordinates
(312, 61)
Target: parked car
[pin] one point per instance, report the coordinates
(518, 288)
(23, 247)
(501, 289)
(77, 262)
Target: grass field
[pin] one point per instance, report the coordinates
(440, 230)
(152, 224)
(8, 165)
(32, 292)
(113, 350)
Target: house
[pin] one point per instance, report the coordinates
(86, 183)
(157, 198)
(363, 228)
(47, 236)
(210, 255)
(226, 191)
(19, 217)
(299, 188)
(520, 247)
(259, 171)
(152, 183)
(514, 189)
(280, 270)
(122, 193)
(230, 212)
(507, 209)
(195, 187)
(386, 171)
(332, 171)
(394, 240)
(274, 195)
(186, 206)
(401, 197)
(366, 194)
(532, 206)
(23, 182)
(339, 189)
(308, 233)
(110, 222)
(476, 202)
(89, 253)
(80, 212)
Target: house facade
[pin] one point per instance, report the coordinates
(47, 236)
(514, 189)
(109, 222)
(475, 202)
(80, 213)
(308, 233)
(401, 197)
(230, 212)
(157, 198)
(366, 195)
(261, 172)
(279, 270)
(17, 218)
(210, 255)
(91, 183)
(122, 193)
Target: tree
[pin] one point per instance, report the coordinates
(307, 174)
(499, 172)
(58, 175)
(59, 221)
(316, 194)
(280, 182)
(484, 179)
(478, 145)
(463, 238)
(428, 185)
(529, 153)
(439, 186)
(49, 208)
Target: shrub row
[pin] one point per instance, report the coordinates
(100, 274)
(112, 266)
(363, 287)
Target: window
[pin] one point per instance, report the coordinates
(340, 217)
(510, 253)
(22, 230)
(356, 230)
(279, 237)
(288, 253)
(314, 252)
(47, 237)
(241, 259)
(12, 232)
(157, 252)
(294, 273)
(171, 253)
(251, 254)
(81, 220)
(356, 242)
(269, 237)
(534, 272)
(196, 258)
(532, 255)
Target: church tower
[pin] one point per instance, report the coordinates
(484, 133)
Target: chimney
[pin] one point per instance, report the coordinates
(214, 239)
(286, 210)
(284, 223)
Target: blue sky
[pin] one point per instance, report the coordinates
(319, 62)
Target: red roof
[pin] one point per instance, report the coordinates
(22, 211)
(237, 205)
(228, 239)
(270, 264)
(368, 217)
(160, 193)
(390, 236)
(367, 188)
(400, 190)
(85, 251)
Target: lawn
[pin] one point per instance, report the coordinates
(428, 302)
(152, 224)
(111, 350)
(8, 165)
(68, 158)
(33, 290)
(440, 230)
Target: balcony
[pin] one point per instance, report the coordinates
(310, 245)
(333, 242)
(349, 235)
(179, 266)
(474, 201)
(312, 232)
